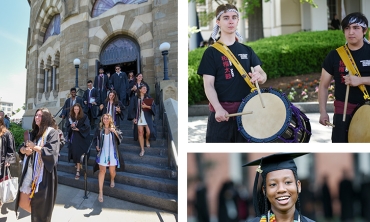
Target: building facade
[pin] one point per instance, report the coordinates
(100, 34)
(7, 107)
(282, 16)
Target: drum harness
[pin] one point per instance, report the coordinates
(351, 66)
(227, 52)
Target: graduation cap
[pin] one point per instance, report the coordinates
(267, 164)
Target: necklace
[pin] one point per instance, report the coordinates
(272, 218)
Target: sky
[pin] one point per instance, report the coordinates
(14, 23)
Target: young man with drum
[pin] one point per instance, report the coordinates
(349, 65)
(223, 84)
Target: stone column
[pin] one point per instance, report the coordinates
(53, 81)
(46, 73)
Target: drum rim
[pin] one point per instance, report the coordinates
(272, 138)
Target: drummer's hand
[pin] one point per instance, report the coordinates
(257, 76)
(352, 80)
(221, 115)
(323, 119)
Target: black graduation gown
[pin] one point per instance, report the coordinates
(99, 138)
(105, 86)
(118, 116)
(94, 108)
(131, 93)
(120, 84)
(42, 204)
(67, 106)
(304, 219)
(7, 151)
(80, 139)
(149, 114)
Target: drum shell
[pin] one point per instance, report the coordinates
(288, 118)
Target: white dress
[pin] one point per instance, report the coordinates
(141, 121)
(107, 157)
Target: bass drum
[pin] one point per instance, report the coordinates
(279, 121)
(359, 127)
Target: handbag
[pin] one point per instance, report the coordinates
(8, 188)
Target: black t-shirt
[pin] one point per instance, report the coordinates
(335, 67)
(229, 84)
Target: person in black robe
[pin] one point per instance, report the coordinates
(113, 107)
(79, 131)
(365, 197)
(140, 113)
(106, 141)
(326, 199)
(92, 101)
(276, 189)
(227, 203)
(39, 153)
(66, 109)
(101, 83)
(346, 197)
(119, 83)
(135, 84)
(7, 150)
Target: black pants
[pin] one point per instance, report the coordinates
(223, 132)
(340, 131)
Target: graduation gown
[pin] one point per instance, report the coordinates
(98, 140)
(104, 89)
(79, 140)
(42, 204)
(67, 106)
(94, 108)
(149, 114)
(7, 151)
(117, 116)
(132, 93)
(120, 84)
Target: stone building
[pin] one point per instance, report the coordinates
(101, 33)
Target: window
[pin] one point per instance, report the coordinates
(102, 6)
(53, 28)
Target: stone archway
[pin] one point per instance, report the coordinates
(121, 50)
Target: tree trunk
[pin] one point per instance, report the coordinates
(255, 24)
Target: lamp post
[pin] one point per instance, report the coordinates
(164, 47)
(76, 62)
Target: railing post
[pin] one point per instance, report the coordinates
(85, 177)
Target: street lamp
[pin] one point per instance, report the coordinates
(164, 47)
(76, 62)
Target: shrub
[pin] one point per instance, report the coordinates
(285, 55)
(18, 134)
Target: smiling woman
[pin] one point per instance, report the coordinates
(276, 189)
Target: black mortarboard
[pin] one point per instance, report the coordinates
(278, 161)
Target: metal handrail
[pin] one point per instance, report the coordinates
(85, 170)
(172, 151)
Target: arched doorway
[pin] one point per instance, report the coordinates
(121, 50)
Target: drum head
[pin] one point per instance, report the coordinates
(359, 128)
(265, 123)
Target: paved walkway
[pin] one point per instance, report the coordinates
(197, 126)
(71, 206)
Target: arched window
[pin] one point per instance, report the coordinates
(101, 6)
(53, 28)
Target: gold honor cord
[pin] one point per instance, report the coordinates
(351, 66)
(226, 51)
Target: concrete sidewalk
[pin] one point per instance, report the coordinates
(197, 126)
(71, 206)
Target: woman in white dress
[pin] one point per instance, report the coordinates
(106, 140)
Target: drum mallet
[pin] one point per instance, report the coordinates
(330, 124)
(239, 114)
(346, 101)
(258, 89)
